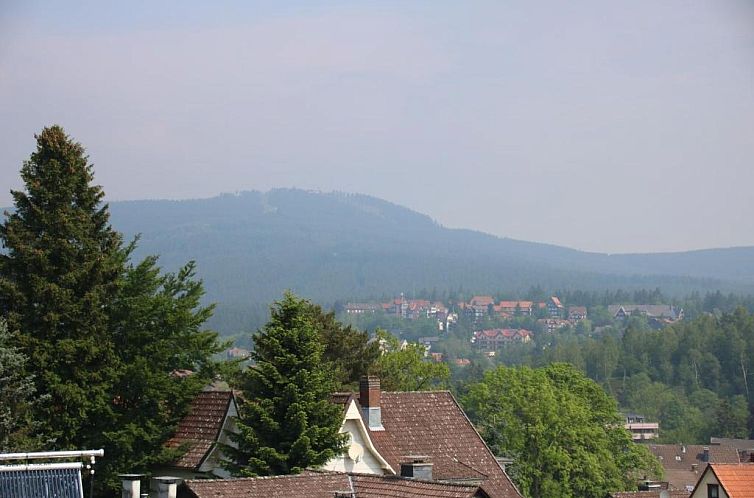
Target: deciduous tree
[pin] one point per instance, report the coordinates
(562, 430)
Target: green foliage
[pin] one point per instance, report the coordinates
(157, 323)
(346, 348)
(17, 397)
(57, 279)
(102, 336)
(562, 430)
(404, 368)
(287, 421)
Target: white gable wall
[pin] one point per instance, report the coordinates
(360, 456)
(701, 488)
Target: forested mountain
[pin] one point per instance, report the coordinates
(328, 246)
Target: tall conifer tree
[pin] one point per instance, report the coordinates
(57, 277)
(287, 421)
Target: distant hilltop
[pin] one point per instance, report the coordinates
(251, 246)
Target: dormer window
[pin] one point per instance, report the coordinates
(713, 491)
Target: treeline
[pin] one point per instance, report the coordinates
(694, 377)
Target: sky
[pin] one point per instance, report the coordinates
(622, 126)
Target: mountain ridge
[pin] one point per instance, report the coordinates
(251, 246)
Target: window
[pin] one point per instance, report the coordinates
(713, 491)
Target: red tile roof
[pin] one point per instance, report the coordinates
(524, 305)
(324, 485)
(433, 424)
(736, 479)
(201, 427)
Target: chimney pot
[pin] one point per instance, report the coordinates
(167, 486)
(369, 399)
(131, 485)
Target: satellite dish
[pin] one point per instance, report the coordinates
(355, 451)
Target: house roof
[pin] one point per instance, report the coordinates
(513, 304)
(433, 424)
(677, 460)
(739, 444)
(554, 300)
(201, 427)
(482, 301)
(502, 334)
(324, 485)
(650, 494)
(651, 310)
(736, 479)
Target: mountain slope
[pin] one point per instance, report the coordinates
(328, 246)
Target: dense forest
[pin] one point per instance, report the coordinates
(694, 376)
(251, 247)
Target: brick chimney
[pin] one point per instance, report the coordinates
(416, 467)
(369, 399)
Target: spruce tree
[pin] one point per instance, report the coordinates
(17, 397)
(58, 274)
(287, 421)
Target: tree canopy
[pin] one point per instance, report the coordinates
(287, 421)
(562, 430)
(57, 280)
(101, 336)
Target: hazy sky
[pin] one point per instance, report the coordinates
(601, 125)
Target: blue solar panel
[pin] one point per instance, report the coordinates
(41, 481)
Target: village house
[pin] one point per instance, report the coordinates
(200, 433)
(516, 308)
(386, 428)
(362, 308)
(237, 353)
(494, 339)
(720, 480)
(650, 311)
(683, 464)
(577, 313)
(399, 444)
(640, 429)
(554, 307)
(553, 324)
(745, 447)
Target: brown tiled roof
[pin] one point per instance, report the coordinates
(200, 428)
(650, 494)
(373, 486)
(324, 485)
(433, 424)
(482, 301)
(736, 479)
(678, 463)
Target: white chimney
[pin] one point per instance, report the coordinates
(131, 485)
(167, 486)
